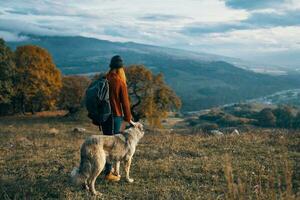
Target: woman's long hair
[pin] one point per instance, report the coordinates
(121, 73)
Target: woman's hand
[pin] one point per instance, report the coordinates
(124, 123)
(133, 123)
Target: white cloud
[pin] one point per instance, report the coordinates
(292, 4)
(79, 17)
(154, 22)
(248, 44)
(10, 36)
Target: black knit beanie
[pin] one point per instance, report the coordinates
(116, 62)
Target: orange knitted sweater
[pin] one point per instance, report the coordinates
(118, 96)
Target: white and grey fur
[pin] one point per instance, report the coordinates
(97, 149)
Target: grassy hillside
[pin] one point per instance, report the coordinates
(201, 80)
(35, 163)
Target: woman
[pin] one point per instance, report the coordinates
(119, 101)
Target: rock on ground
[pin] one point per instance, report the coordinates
(79, 130)
(53, 131)
(216, 132)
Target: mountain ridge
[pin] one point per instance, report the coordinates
(201, 80)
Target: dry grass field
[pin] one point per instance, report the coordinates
(36, 160)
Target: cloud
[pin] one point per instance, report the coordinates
(18, 12)
(202, 29)
(252, 4)
(10, 36)
(250, 43)
(286, 18)
(231, 27)
(17, 26)
(119, 20)
(161, 17)
(256, 20)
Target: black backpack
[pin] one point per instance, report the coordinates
(97, 101)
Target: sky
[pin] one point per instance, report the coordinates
(265, 31)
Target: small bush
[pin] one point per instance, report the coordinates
(242, 110)
(245, 113)
(230, 120)
(266, 118)
(212, 116)
(284, 116)
(204, 127)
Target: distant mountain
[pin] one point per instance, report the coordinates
(201, 80)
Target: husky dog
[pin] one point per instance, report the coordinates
(97, 149)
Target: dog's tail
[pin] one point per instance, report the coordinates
(81, 174)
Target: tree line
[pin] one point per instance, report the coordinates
(30, 82)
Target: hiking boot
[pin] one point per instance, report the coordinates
(112, 177)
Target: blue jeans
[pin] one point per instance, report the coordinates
(110, 127)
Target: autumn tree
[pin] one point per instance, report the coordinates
(150, 97)
(72, 92)
(7, 73)
(38, 81)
